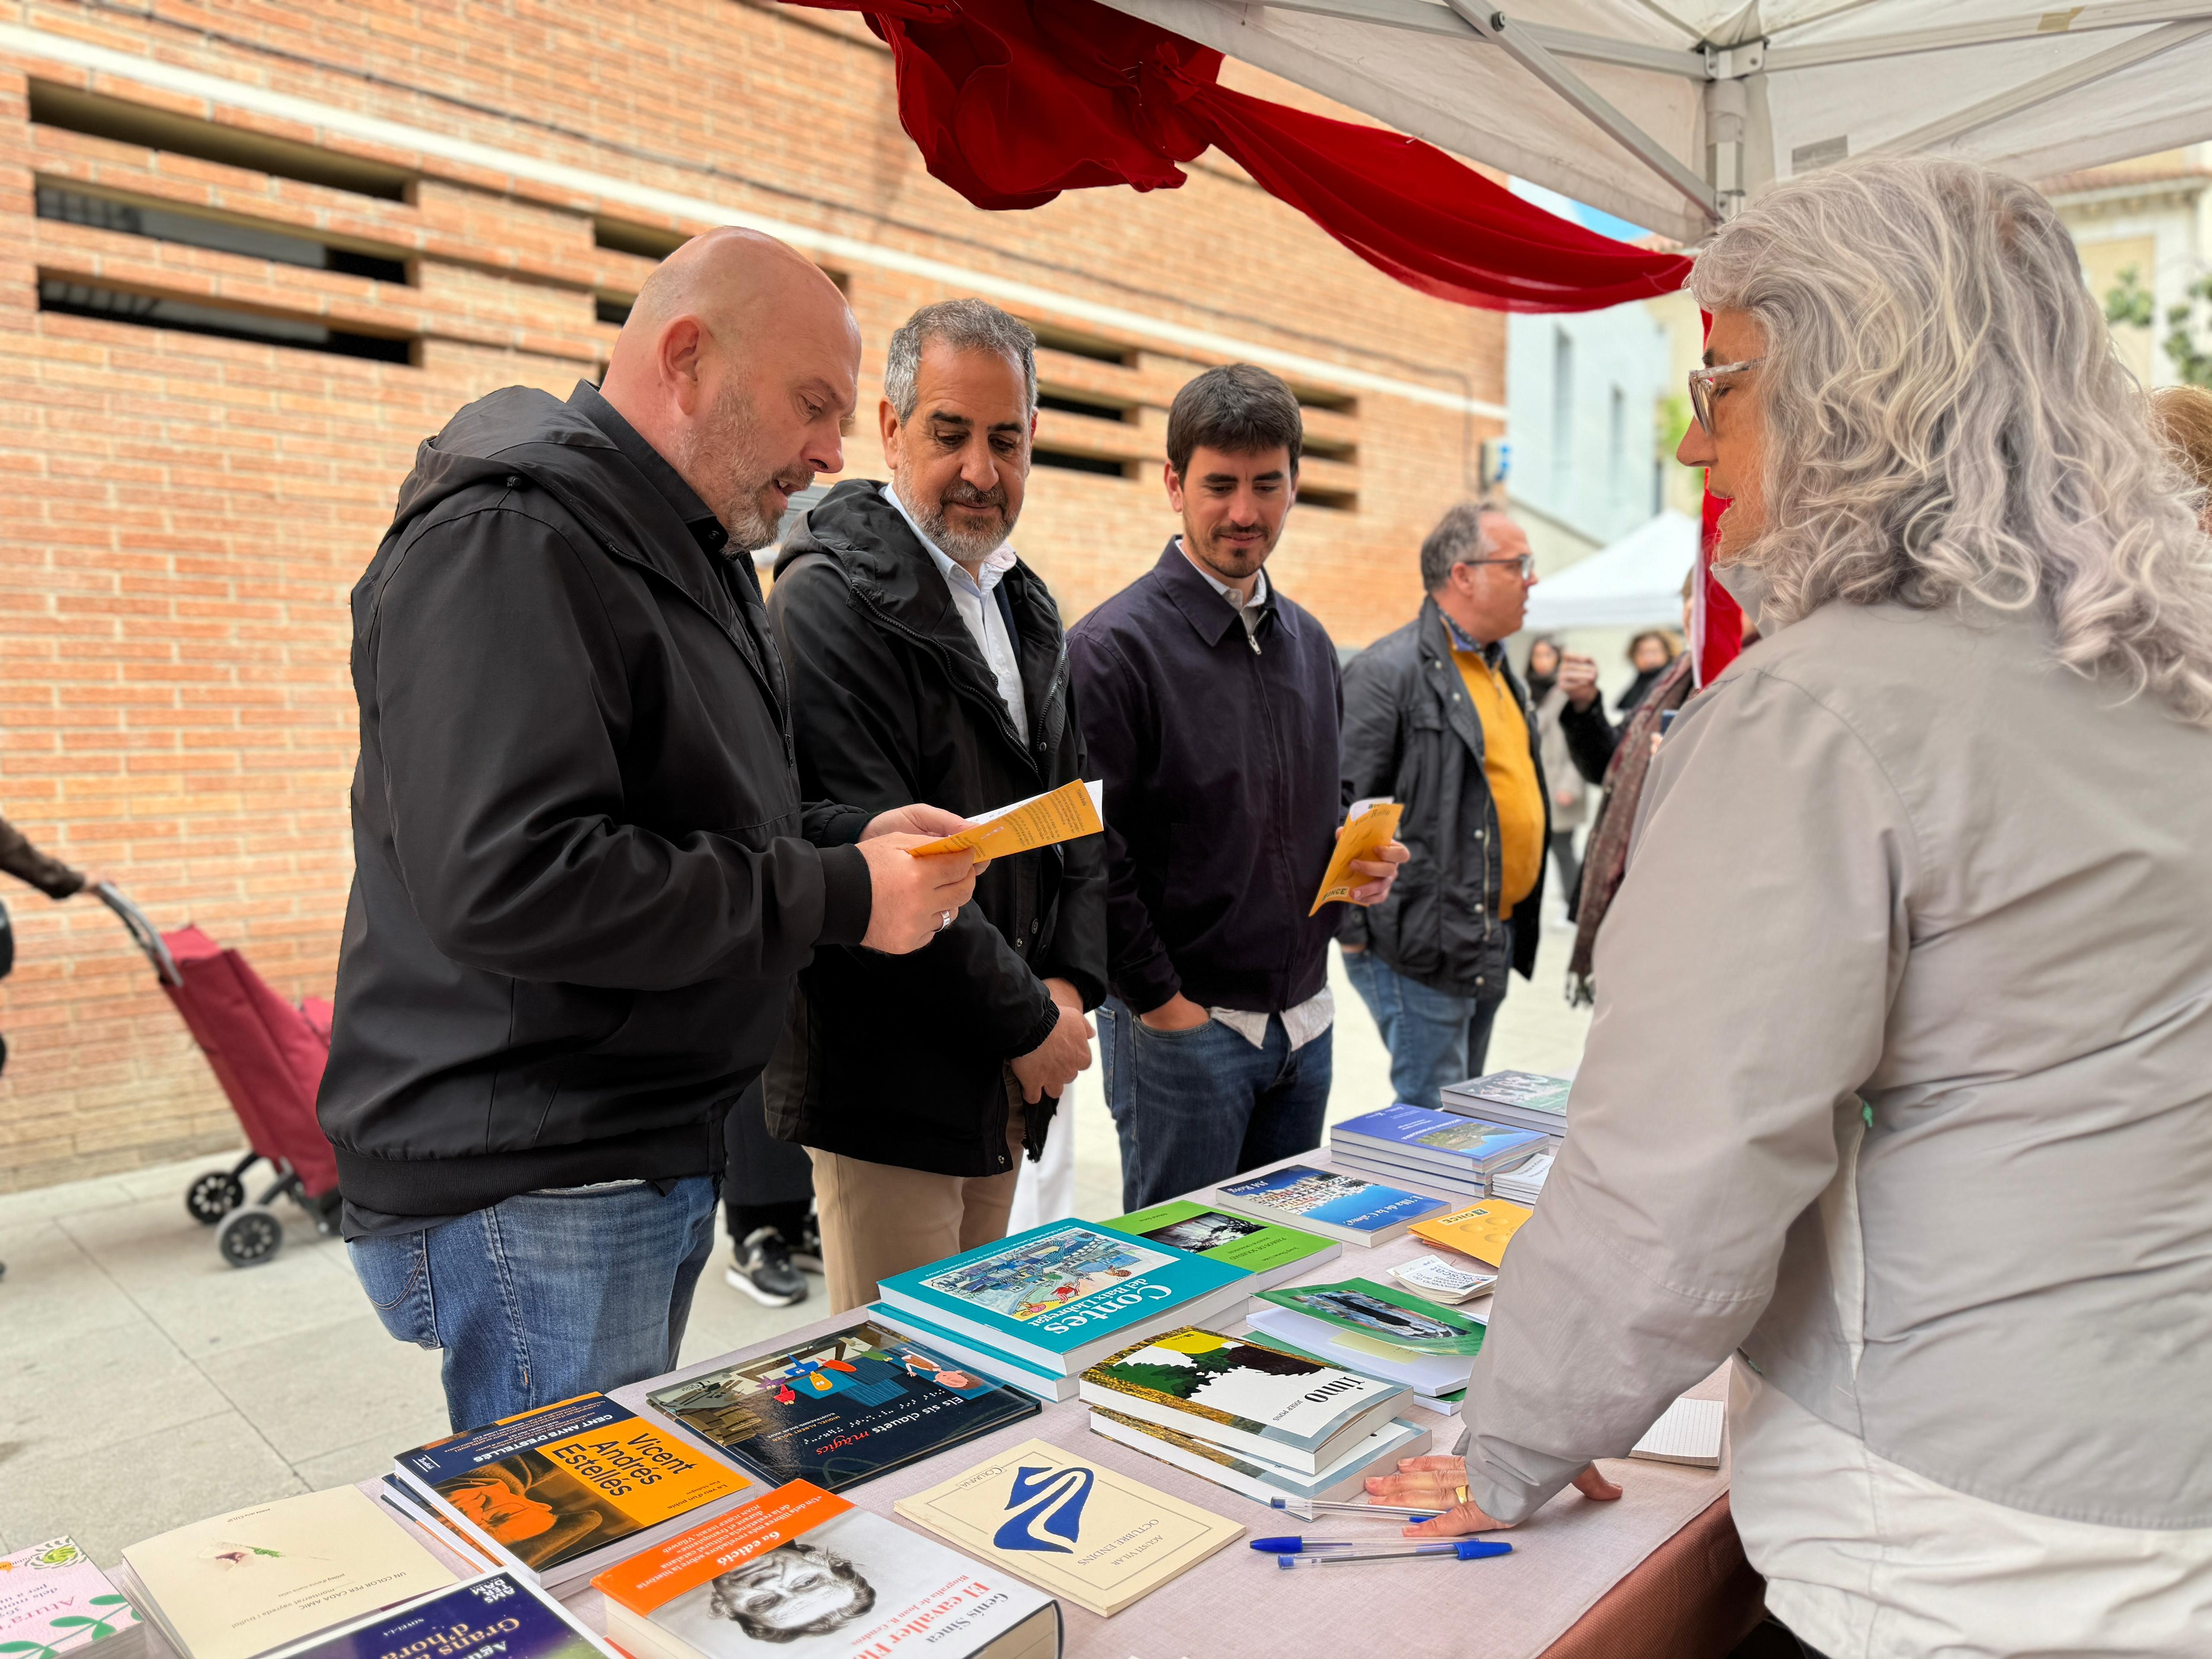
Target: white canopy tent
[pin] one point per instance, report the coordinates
(1637, 582)
(1668, 112)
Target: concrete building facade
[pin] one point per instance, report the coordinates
(254, 255)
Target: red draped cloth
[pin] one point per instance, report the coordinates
(1012, 101)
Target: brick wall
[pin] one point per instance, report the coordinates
(187, 512)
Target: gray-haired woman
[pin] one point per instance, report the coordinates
(1901, 1083)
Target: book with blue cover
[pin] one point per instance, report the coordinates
(1059, 1296)
(1329, 1201)
(501, 1615)
(1445, 1140)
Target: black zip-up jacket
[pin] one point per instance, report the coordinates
(1410, 732)
(901, 1059)
(1219, 757)
(584, 877)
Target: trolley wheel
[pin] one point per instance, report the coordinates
(250, 1236)
(213, 1196)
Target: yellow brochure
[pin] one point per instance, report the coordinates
(1481, 1230)
(1369, 828)
(1065, 813)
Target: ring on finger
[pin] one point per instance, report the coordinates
(944, 921)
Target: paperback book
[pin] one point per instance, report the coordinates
(1078, 1530)
(1376, 1328)
(1271, 1254)
(804, 1574)
(1058, 1295)
(1053, 1386)
(1433, 1381)
(1528, 1100)
(1442, 1140)
(264, 1577)
(838, 1409)
(1255, 1478)
(1329, 1201)
(558, 1493)
(1388, 1168)
(1244, 1396)
(55, 1603)
(1688, 1431)
(1524, 1183)
(1481, 1230)
(417, 1511)
(498, 1615)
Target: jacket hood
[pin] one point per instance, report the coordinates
(856, 526)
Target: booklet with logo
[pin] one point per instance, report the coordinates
(55, 1604)
(806, 1575)
(1058, 1295)
(1074, 1527)
(1329, 1201)
(1272, 1255)
(839, 1409)
(1367, 829)
(500, 1615)
(1481, 1230)
(558, 1493)
(239, 1584)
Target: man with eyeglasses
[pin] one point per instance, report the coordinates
(1434, 716)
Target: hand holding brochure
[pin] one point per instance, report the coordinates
(1369, 828)
(1067, 813)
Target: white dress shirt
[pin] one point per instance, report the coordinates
(979, 609)
(1318, 1011)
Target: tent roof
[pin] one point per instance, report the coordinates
(1637, 582)
(1632, 105)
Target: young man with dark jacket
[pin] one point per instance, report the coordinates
(1434, 716)
(1211, 703)
(584, 874)
(928, 665)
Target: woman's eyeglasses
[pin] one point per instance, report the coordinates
(1701, 387)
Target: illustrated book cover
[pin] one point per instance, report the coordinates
(838, 1409)
(1341, 1205)
(1057, 1296)
(266, 1575)
(497, 1615)
(551, 1492)
(1078, 1530)
(54, 1602)
(1531, 1100)
(1244, 1396)
(1465, 1145)
(1270, 1253)
(1481, 1230)
(804, 1574)
(1364, 1308)
(974, 1355)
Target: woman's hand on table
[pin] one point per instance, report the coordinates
(1442, 1481)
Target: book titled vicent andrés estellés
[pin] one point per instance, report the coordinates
(837, 1409)
(1058, 1295)
(558, 1493)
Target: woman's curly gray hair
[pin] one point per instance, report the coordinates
(1946, 421)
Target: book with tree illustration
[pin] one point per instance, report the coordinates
(54, 1602)
(1244, 1396)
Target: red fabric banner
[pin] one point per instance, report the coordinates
(1719, 619)
(1012, 101)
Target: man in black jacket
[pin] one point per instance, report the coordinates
(928, 665)
(585, 876)
(1211, 704)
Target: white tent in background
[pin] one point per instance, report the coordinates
(1635, 583)
(1666, 113)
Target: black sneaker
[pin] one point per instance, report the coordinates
(807, 1253)
(762, 1270)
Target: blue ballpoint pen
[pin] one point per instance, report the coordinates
(1388, 1511)
(1463, 1549)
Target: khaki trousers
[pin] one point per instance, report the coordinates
(877, 1220)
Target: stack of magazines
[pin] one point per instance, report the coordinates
(1524, 1183)
(1258, 1418)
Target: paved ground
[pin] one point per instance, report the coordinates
(143, 1383)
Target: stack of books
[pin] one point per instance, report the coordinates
(55, 1603)
(1332, 1202)
(1034, 1309)
(1526, 1100)
(1444, 1149)
(1524, 1183)
(1378, 1329)
(1258, 1418)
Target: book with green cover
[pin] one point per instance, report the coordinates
(1361, 1307)
(1271, 1254)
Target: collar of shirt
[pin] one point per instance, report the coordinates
(1248, 611)
(956, 574)
(1490, 653)
(667, 482)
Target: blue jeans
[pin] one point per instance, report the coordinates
(1434, 1037)
(547, 1295)
(1196, 1108)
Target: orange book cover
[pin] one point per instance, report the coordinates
(1481, 1230)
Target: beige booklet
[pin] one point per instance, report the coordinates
(1688, 1431)
(239, 1584)
(1063, 814)
(1070, 1526)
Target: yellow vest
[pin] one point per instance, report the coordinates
(1512, 770)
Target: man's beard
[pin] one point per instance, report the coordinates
(960, 545)
(728, 456)
(1230, 561)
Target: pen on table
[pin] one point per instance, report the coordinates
(1389, 1511)
(1464, 1549)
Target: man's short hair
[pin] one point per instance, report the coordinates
(1458, 538)
(965, 325)
(1236, 409)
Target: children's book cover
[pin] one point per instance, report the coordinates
(1238, 1240)
(1360, 1307)
(1326, 1195)
(53, 1601)
(841, 1409)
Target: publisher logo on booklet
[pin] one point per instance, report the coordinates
(1051, 1499)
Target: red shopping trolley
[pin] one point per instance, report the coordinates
(268, 1055)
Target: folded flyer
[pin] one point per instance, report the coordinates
(1368, 826)
(1067, 813)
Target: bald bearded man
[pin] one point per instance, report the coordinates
(584, 876)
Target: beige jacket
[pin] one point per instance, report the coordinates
(1896, 858)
